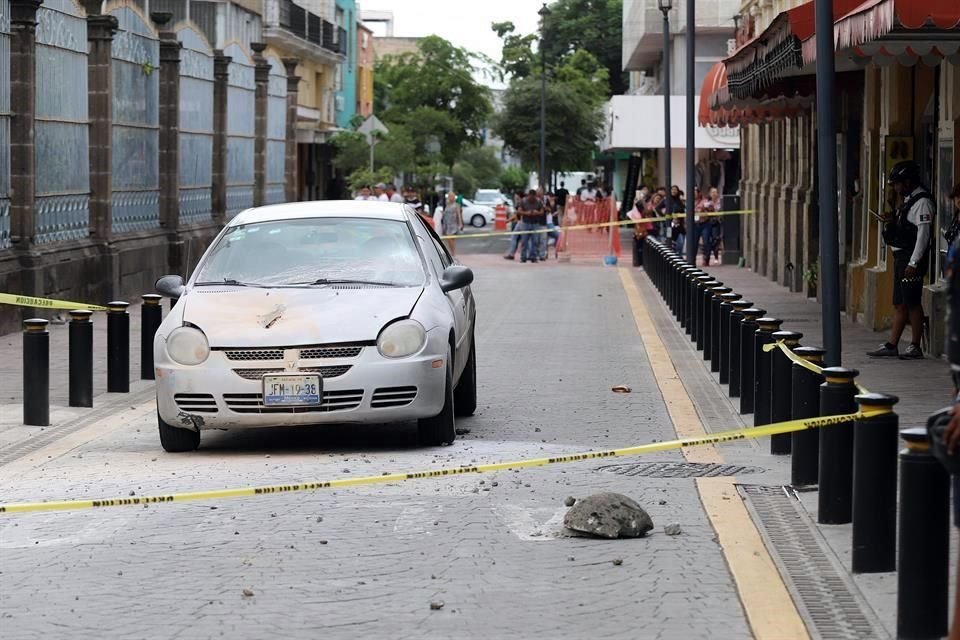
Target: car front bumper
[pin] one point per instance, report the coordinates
(373, 390)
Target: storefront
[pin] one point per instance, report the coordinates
(898, 93)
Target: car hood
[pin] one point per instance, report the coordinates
(238, 317)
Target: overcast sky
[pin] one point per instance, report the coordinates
(465, 23)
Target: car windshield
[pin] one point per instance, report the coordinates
(315, 252)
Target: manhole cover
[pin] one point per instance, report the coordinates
(679, 469)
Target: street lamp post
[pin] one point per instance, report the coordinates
(665, 7)
(543, 13)
(691, 248)
(827, 175)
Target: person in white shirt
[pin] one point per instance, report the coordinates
(364, 194)
(392, 194)
(378, 192)
(907, 231)
(589, 194)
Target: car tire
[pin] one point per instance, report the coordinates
(177, 440)
(440, 429)
(478, 221)
(465, 395)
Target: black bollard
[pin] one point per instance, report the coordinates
(702, 282)
(36, 373)
(173, 303)
(637, 251)
(723, 357)
(875, 486)
(736, 317)
(118, 347)
(81, 358)
(151, 315)
(689, 273)
(711, 351)
(748, 377)
(805, 403)
(781, 386)
(703, 312)
(710, 320)
(923, 567)
(837, 395)
(761, 367)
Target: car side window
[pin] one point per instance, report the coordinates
(433, 255)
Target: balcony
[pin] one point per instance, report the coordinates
(290, 27)
(643, 27)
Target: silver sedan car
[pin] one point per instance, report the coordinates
(318, 312)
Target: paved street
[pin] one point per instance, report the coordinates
(553, 339)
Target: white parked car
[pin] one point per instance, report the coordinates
(318, 312)
(491, 198)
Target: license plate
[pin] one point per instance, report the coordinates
(292, 390)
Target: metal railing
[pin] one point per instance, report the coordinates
(310, 27)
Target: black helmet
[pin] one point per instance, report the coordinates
(905, 170)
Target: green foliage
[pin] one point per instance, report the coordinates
(485, 166)
(433, 93)
(362, 177)
(517, 59)
(574, 123)
(464, 179)
(513, 179)
(594, 26)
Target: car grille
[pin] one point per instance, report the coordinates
(393, 397)
(195, 402)
(316, 353)
(307, 353)
(325, 372)
(331, 401)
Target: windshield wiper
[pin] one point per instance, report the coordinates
(227, 281)
(325, 281)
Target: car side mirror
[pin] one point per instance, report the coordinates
(170, 286)
(455, 277)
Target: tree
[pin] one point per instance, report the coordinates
(436, 83)
(595, 26)
(574, 124)
(517, 59)
(513, 179)
(484, 164)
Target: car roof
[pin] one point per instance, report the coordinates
(370, 209)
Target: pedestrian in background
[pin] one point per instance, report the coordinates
(562, 194)
(379, 192)
(451, 221)
(391, 193)
(530, 210)
(364, 194)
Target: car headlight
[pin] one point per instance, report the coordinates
(187, 346)
(401, 339)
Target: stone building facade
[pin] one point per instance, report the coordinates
(129, 142)
(898, 97)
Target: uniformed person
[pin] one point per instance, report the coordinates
(907, 231)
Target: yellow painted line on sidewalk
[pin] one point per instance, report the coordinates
(769, 608)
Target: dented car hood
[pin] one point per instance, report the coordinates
(258, 317)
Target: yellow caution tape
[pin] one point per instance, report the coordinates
(598, 225)
(716, 438)
(46, 303)
(803, 362)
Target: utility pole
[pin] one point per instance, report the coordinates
(691, 248)
(543, 13)
(665, 7)
(827, 176)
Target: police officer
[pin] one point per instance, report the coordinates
(907, 232)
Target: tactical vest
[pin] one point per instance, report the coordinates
(902, 233)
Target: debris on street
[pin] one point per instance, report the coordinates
(608, 515)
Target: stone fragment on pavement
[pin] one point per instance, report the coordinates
(247, 593)
(608, 515)
(672, 530)
(570, 501)
(436, 605)
(621, 388)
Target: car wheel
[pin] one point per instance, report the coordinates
(440, 429)
(177, 440)
(465, 395)
(478, 220)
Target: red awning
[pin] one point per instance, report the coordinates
(767, 56)
(715, 79)
(716, 109)
(873, 19)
